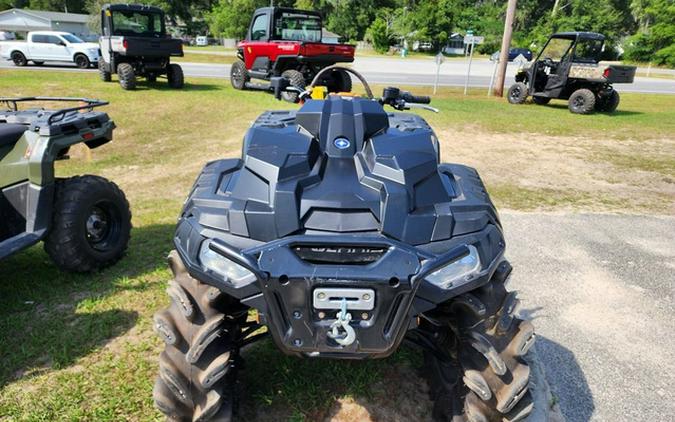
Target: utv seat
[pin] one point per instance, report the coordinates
(10, 133)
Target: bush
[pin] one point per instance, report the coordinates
(378, 35)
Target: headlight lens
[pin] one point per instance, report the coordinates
(457, 272)
(231, 271)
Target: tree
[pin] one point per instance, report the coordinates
(379, 35)
(656, 39)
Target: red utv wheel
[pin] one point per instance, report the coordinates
(239, 75)
(297, 81)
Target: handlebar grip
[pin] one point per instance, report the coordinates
(419, 99)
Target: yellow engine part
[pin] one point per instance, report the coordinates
(319, 93)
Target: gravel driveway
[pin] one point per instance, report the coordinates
(600, 291)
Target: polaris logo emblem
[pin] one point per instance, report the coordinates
(341, 143)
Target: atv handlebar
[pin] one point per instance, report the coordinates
(418, 99)
(89, 104)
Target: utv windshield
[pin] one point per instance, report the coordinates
(556, 49)
(588, 51)
(297, 27)
(142, 24)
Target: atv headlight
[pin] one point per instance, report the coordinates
(233, 272)
(457, 272)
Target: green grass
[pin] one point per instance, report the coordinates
(80, 347)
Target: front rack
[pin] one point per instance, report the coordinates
(90, 104)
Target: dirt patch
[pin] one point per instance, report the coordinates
(569, 172)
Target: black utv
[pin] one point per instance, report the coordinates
(134, 43)
(343, 232)
(569, 68)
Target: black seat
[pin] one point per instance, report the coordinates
(10, 133)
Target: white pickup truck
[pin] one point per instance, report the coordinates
(46, 46)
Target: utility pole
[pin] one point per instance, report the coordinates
(506, 45)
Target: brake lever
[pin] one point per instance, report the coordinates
(422, 106)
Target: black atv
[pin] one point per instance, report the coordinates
(84, 220)
(345, 234)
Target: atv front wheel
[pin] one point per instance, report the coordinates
(102, 72)
(239, 75)
(517, 93)
(609, 102)
(19, 59)
(478, 372)
(582, 101)
(175, 76)
(297, 81)
(91, 224)
(197, 369)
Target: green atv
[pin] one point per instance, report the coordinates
(84, 221)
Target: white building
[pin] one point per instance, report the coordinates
(21, 21)
(329, 37)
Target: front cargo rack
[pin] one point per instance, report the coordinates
(59, 114)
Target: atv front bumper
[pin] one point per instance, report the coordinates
(299, 299)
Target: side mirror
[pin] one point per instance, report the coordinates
(61, 43)
(279, 84)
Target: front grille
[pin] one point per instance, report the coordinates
(327, 255)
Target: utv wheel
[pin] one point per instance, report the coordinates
(340, 81)
(239, 75)
(103, 73)
(19, 59)
(609, 103)
(297, 81)
(91, 225)
(517, 93)
(541, 100)
(82, 61)
(197, 369)
(479, 373)
(175, 76)
(582, 101)
(127, 76)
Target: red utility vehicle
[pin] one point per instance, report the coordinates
(287, 42)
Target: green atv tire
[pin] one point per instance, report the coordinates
(91, 224)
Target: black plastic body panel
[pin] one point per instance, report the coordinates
(339, 174)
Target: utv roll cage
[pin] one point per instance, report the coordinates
(107, 21)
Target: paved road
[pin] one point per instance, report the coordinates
(403, 72)
(600, 289)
